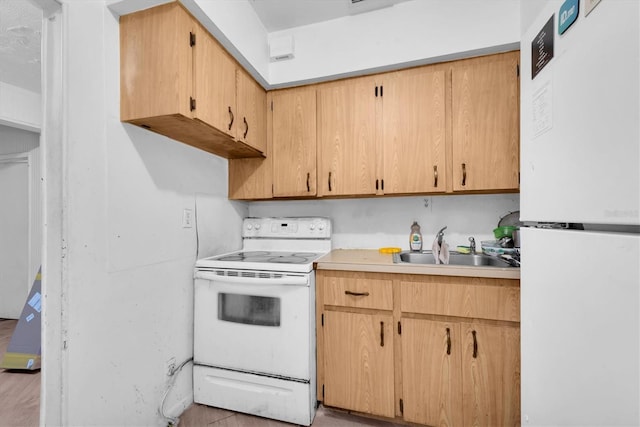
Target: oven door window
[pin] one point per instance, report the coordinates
(249, 309)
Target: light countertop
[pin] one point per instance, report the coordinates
(370, 260)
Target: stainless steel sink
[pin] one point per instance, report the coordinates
(454, 259)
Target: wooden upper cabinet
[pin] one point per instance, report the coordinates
(347, 138)
(294, 142)
(251, 124)
(486, 126)
(215, 84)
(176, 80)
(414, 131)
(252, 179)
(156, 81)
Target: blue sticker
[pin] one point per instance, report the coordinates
(567, 15)
(30, 317)
(36, 302)
(29, 363)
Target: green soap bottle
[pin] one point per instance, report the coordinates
(415, 238)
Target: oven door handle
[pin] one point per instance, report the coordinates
(236, 280)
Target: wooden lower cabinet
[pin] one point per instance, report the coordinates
(432, 350)
(431, 372)
(490, 375)
(460, 374)
(358, 362)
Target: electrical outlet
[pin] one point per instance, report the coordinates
(171, 366)
(187, 218)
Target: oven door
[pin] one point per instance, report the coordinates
(253, 324)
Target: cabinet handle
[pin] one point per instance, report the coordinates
(376, 185)
(308, 186)
(464, 174)
(382, 184)
(231, 117)
(329, 181)
(435, 176)
(448, 341)
(381, 334)
(357, 294)
(475, 345)
(246, 129)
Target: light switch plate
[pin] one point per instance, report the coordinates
(187, 218)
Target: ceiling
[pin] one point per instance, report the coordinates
(279, 15)
(20, 35)
(21, 29)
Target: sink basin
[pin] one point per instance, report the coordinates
(454, 259)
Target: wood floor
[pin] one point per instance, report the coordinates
(19, 390)
(20, 403)
(201, 415)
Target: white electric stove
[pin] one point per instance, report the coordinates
(254, 322)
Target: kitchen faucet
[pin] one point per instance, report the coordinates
(472, 245)
(440, 235)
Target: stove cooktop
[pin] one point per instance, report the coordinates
(269, 256)
(288, 261)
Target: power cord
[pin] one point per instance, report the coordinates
(172, 421)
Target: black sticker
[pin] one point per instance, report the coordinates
(542, 48)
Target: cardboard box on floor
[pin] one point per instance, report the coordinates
(24, 349)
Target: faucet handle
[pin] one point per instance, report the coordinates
(440, 235)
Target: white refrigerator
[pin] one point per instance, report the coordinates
(580, 162)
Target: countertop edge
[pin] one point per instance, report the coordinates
(370, 260)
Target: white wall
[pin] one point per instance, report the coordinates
(375, 223)
(20, 107)
(410, 33)
(125, 263)
(237, 27)
(14, 141)
(413, 32)
(118, 282)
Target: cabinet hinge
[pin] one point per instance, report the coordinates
(401, 406)
(322, 322)
(399, 328)
(192, 39)
(192, 103)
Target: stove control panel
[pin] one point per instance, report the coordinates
(287, 228)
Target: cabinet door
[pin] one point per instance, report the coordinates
(491, 375)
(431, 377)
(413, 141)
(358, 362)
(347, 138)
(252, 112)
(485, 109)
(156, 82)
(294, 142)
(215, 84)
(251, 179)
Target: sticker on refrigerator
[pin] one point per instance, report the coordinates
(589, 5)
(36, 302)
(567, 15)
(542, 48)
(542, 110)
